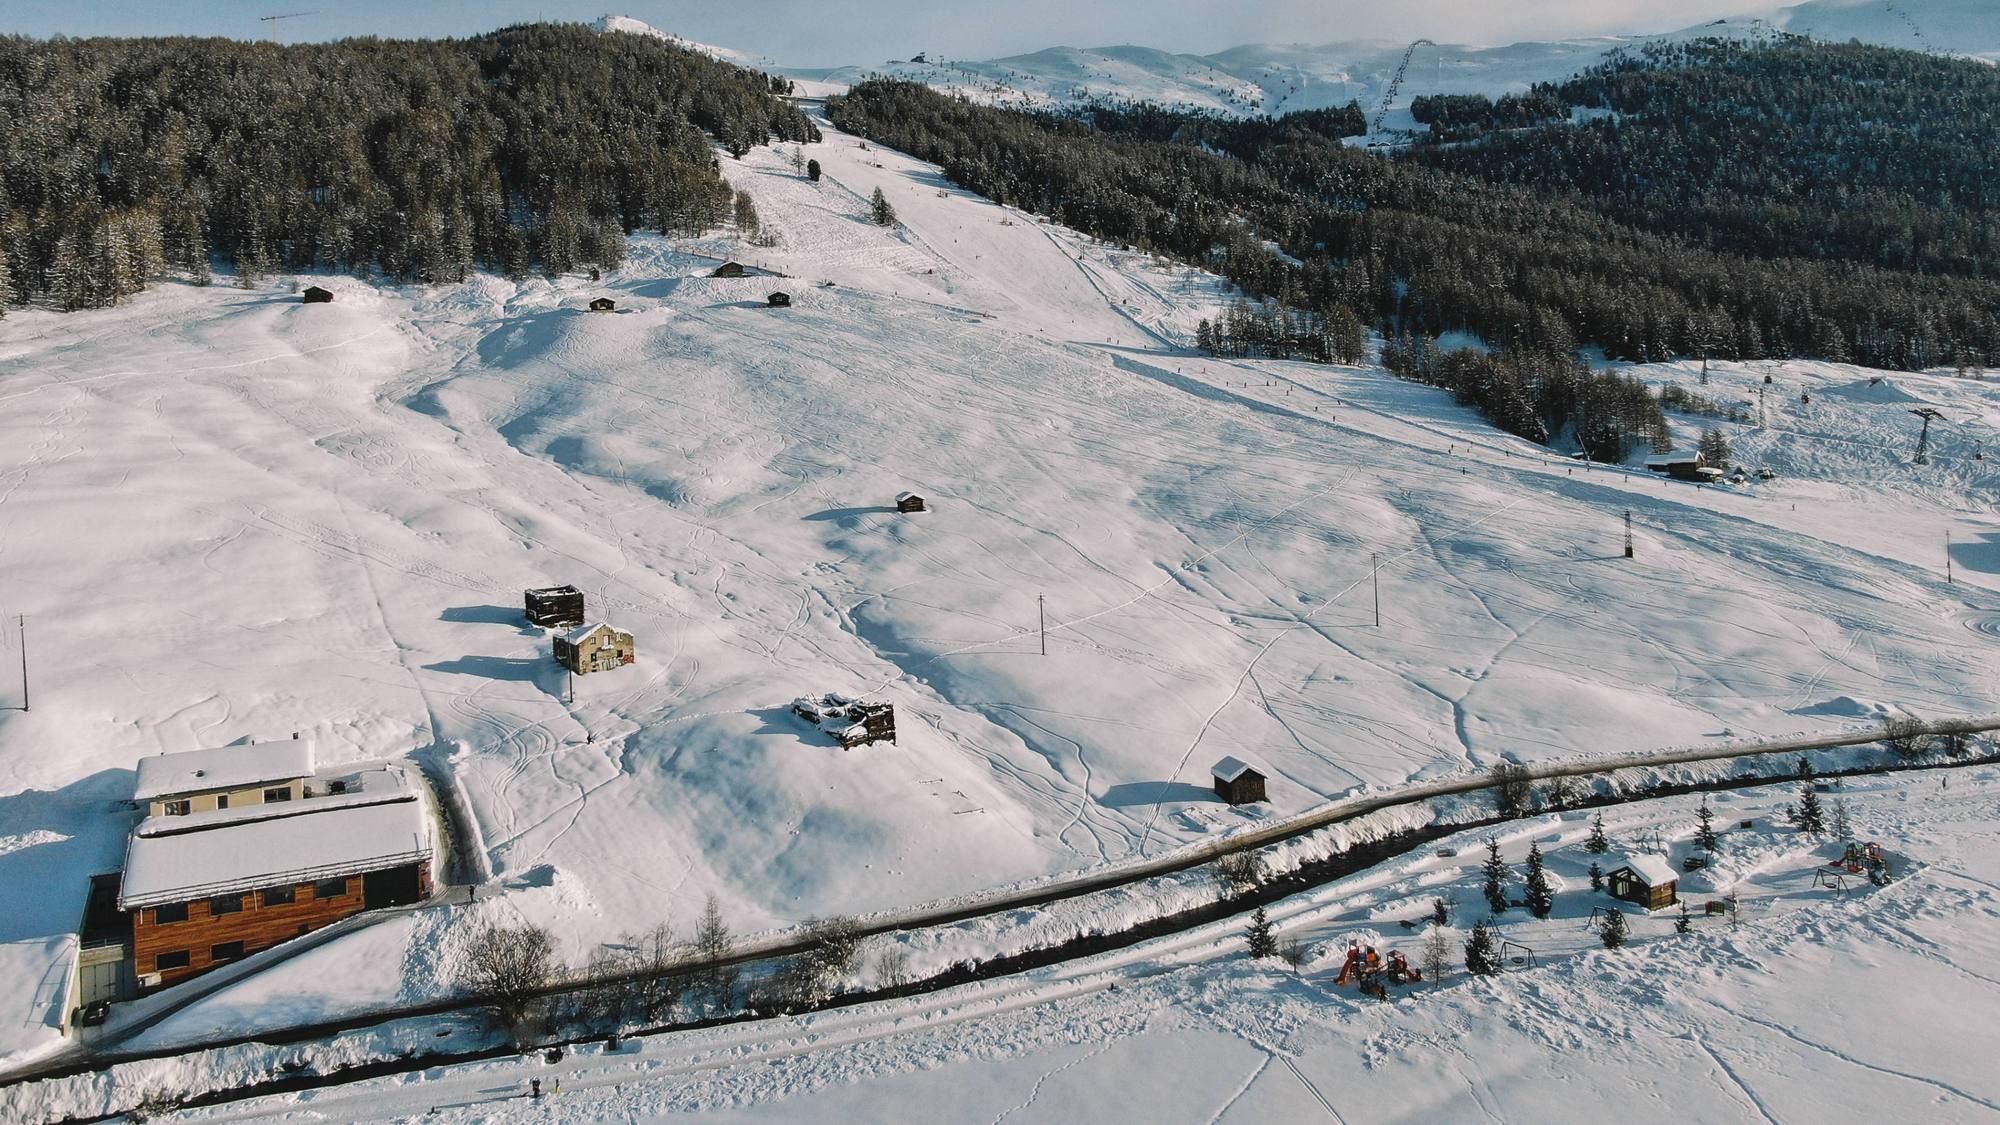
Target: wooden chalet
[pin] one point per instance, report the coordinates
(1238, 782)
(603, 304)
(595, 648)
(729, 269)
(555, 607)
(779, 300)
(1684, 465)
(1645, 879)
(315, 295)
(909, 502)
(204, 888)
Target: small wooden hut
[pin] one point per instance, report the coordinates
(603, 304)
(314, 295)
(729, 269)
(779, 300)
(1645, 879)
(1237, 781)
(910, 502)
(555, 607)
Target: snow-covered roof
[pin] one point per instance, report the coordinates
(1231, 768)
(907, 496)
(1681, 457)
(379, 785)
(316, 841)
(577, 635)
(1651, 868)
(226, 767)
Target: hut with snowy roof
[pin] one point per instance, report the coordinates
(779, 300)
(1645, 879)
(729, 269)
(1237, 781)
(595, 648)
(909, 502)
(603, 304)
(315, 295)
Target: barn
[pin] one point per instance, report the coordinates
(603, 304)
(314, 295)
(1644, 879)
(779, 300)
(909, 502)
(1684, 465)
(1238, 782)
(595, 648)
(555, 607)
(729, 269)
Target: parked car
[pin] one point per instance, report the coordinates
(93, 1013)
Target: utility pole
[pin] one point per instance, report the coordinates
(1923, 456)
(22, 622)
(1628, 533)
(1947, 578)
(1042, 617)
(1375, 581)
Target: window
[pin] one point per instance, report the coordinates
(178, 959)
(336, 787)
(280, 896)
(330, 888)
(227, 951)
(177, 808)
(272, 796)
(222, 800)
(225, 904)
(171, 912)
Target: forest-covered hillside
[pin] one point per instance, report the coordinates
(1840, 152)
(533, 146)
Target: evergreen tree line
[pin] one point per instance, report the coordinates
(1274, 331)
(534, 146)
(1427, 250)
(1792, 148)
(1540, 395)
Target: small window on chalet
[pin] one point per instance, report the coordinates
(225, 904)
(178, 959)
(227, 951)
(222, 800)
(280, 896)
(282, 793)
(329, 888)
(336, 787)
(178, 808)
(171, 912)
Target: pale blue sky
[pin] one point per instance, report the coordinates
(833, 32)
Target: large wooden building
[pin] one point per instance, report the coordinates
(1645, 879)
(206, 887)
(595, 648)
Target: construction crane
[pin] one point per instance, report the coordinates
(273, 21)
(1396, 83)
(1923, 456)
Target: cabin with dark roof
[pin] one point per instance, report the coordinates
(314, 295)
(729, 269)
(555, 607)
(603, 304)
(779, 300)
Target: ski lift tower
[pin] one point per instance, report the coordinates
(1923, 456)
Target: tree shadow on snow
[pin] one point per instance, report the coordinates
(1133, 793)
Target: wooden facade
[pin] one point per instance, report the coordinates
(910, 502)
(729, 269)
(603, 304)
(202, 934)
(1237, 782)
(779, 300)
(314, 295)
(1651, 885)
(558, 607)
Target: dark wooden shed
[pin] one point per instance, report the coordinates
(779, 300)
(729, 269)
(314, 295)
(910, 502)
(603, 304)
(1237, 782)
(1645, 879)
(555, 606)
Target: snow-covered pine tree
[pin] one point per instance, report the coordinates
(1541, 896)
(1812, 819)
(1843, 829)
(1261, 941)
(1613, 931)
(1482, 950)
(880, 210)
(1705, 832)
(1683, 924)
(1204, 336)
(1597, 844)
(1496, 878)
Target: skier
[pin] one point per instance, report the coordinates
(535, 1088)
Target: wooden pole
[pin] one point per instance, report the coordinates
(1375, 582)
(22, 622)
(1628, 533)
(1042, 616)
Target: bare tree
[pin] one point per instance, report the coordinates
(659, 961)
(1236, 872)
(1294, 951)
(714, 944)
(1437, 953)
(832, 946)
(1561, 792)
(1906, 734)
(508, 967)
(892, 966)
(1513, 788)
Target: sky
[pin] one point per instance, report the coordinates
(837, 32)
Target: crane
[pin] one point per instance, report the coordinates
(1396, 83)
(272, 21)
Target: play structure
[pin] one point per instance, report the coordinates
(1373, 973)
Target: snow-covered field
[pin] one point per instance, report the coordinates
(228, 515)
(1819, 1003)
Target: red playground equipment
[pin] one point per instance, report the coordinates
(1368, 969)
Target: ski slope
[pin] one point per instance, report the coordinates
(228, 515)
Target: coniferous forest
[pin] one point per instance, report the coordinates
(536, 147)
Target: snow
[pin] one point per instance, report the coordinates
(1229, 768)
(583, 633)
(227, 767)
(253, 515)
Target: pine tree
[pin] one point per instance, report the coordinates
(1705, 833)
(1541, 896)
(1597, 844)
(1805, 769)
(1440, 912)
(812, 170)
(1613, 931)
(1714, 449)
(880, 210)
(1812, 819)
(1843, 829)
(1596, 877)
(1261, 941)
(1684, 923)
(1482, 950)
(1204, 336)
(1496, 878)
